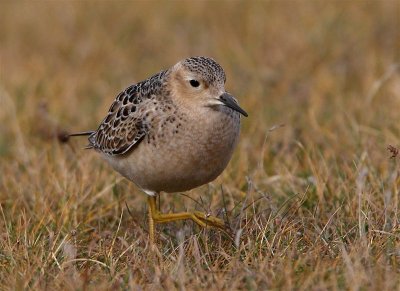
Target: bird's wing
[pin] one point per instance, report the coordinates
(125, 124)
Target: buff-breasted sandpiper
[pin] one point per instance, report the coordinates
(172, 132)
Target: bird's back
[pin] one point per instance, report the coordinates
(125, 124)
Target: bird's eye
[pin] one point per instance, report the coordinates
(194, 83)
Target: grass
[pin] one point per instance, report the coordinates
(314, 202)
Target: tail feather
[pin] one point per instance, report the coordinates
(83, 133)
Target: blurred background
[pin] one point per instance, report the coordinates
(327, 70)
(311, 65)
(304, 64)
(319, 79)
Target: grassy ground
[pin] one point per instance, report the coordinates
(314, 203)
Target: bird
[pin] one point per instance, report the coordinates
(171, 133)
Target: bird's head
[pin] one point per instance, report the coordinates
(200, 81)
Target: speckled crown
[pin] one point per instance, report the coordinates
(207, 67)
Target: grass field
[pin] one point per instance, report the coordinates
(311, 192)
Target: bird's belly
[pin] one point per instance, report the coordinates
(181, 160)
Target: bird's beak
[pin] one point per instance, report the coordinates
(229, 101)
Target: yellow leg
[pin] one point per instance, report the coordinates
(151, 225)
(198, 217)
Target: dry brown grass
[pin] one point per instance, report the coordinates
(315, 203)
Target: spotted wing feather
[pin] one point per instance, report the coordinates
(125, 125)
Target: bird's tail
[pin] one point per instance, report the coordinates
(83, 133)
